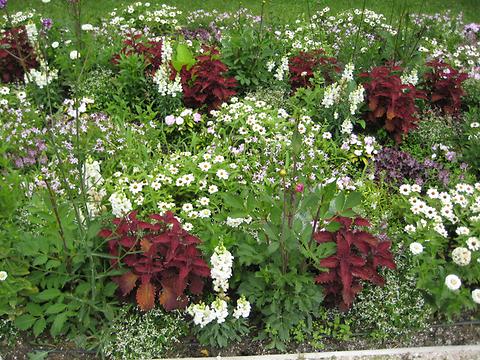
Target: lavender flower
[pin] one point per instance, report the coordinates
(3, 3)
(47, 24)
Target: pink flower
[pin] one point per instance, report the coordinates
(299, 188)
(170, 120)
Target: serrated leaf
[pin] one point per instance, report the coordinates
(48, 294)
(55, 309)
(40, 260)
(58, 324)
(34, 309)
(39, 326)
(25, 322)
(146, 296)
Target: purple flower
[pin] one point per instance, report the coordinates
(3, 3)
(47, 24)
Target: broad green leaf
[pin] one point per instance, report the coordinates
(34, 309)
(353, 199)
(183, 56)
(39, 326)
(40, 260)
(58, 324)
(48, 294)
(55, 309)
(25, 322)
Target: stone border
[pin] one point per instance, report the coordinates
(431, 352)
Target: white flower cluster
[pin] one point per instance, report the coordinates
(347, 74)
(281, 70)
(355, 98)
(93, 180)
(243, 308)
(236, 222)
(410, 78)
(42, 77)
(222, 262)
(165, 85)
(366, 147)
(332, 95)
(162, 75)
(3, 275)
(121, 205)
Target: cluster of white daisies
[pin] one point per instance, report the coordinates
(458, 206)
(221, 272)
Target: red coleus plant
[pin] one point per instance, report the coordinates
(16, 55)
(302, 67)
(151, 51)
(162, 259)
(206, 84)
(391, 103)
(358, 256)
(444, 86)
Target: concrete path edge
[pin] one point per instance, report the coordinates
(474, 350)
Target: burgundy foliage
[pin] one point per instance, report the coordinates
(358, 256)
(444, 85)
(162, 259)
(206, 85)
(151, 51)
(391, 104)
(302, 67)
(14, 45)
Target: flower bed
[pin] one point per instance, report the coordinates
(226, 179)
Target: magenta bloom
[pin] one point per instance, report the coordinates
(299, 188)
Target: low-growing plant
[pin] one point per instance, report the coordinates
(206, 84)
(160, 256)
(442, 232)
(358, 256)
(403, 311)
(444, 86)
(138, 335)
(303, 66)
(16, 54)
(391, 103)
(396, 167)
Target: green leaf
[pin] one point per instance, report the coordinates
(38, 355)
(55, 309)
(25, 322)
(58, 324)
(353, 199)
(48, 294)
(232, 201)
(34, 309)
(338, 203)
(183, 56)
(39, 326)
(40, 260)
(333, 226)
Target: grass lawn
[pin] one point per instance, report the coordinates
(284, 9)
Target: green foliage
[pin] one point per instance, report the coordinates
(72, 291)
(469, 142)
(246, 51)
(221, 335)
(280, 254)
(472, 91)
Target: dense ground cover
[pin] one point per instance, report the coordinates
(219, 178)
